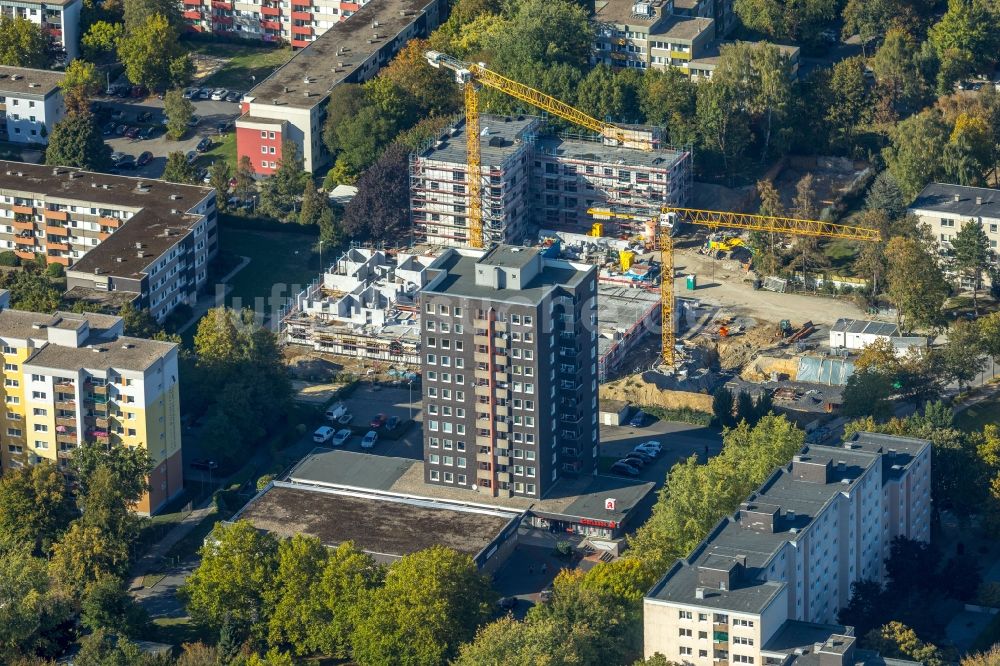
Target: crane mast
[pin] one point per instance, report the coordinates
(668, 219)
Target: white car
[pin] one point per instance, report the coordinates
(218, 94)
(341, 437)
(323, 434)
(334, 412)
(369, 440)
(652, 447)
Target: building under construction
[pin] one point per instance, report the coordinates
(533, 177)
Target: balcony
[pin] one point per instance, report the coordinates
(482, 440)
(24, 254)
(66, 421)
(267, 10)
(66, 437)
(62, 403)
(23, 210)
(480, 357)
(62, 261)
(112, 222)
(25, 240)
(503, 477)
(481, 340)
(57, 247)
(59, 215)
(65, 386)
(502, 410)
(503, 460)
(192, 3)
(270, 25)
(23, 225)
(500, 359)
(56, 230)
(484, 458)
(99, 389)
(222, 4)
(101, 422)
(503, 426)
(720, 636)
(485, 424)
(482, 375)
(299, 15)
(221, 18)
(304, 30)
(192, 14)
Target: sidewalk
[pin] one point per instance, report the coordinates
(153, 557)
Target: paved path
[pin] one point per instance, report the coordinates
(152, 560)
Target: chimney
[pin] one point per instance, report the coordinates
(956, 198)
(979, 201)
(841, 466)
(699, 593)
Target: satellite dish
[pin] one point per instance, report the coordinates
(475, 486)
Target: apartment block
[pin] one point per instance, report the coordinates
(146, 242)
(290, 105)
(298, 23)
(661, 34)
(943, 208)
(787, 558)
(60, 20)
(532, 178)
(509, 370)
(70, 379)
(31, 102)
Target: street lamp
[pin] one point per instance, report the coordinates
(321, 258)
(409, 403)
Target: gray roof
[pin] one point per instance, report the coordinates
(500, 138)
(359, 470)
(940, 197)
(797, 502)
(387, 526)
(459, 279)
(349, 42)
(20, 81)
(596, 151)
(509, 256)
(866, 327)
(622, 12)
(124, 353)
(899, 451)
(683, 27)
(24, 325)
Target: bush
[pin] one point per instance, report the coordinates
(55, 270)
(682, 415)
(564, 549)
(263, 481)
(8, 258)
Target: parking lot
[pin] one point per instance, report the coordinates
(679, 441)
(368, 401)
(210, 115)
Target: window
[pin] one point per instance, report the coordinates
(684, 615)
(702, 653)
(38, 411)
(742, 640)
(41, 444)
(685, 632)
(737, 622)
(13, 432)
(742, 659)
(435, 475)
(685, 651)
(263, 134)
(41, 427)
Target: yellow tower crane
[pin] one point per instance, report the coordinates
(473, 75)
(663, 226)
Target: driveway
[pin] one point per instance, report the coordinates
(679, 441)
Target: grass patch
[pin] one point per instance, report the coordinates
(975, 417)
(682, 415)
(178, 630)
(840, 253)
(222, 149)
(190, 544)
(150, 580)
(246, 63)
(281, 264)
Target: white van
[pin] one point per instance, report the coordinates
(335, 411)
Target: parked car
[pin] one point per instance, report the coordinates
(545, 596)
(195, 119)
(219, 94)
(344, 419)
(233, 96)
(127, 162)
(204, 464)
(203, 176)
(138, 91)
(652, 447)
(145, 116)
(507, 603)
(147, 132)
(204, 144)
(191, 93)
(377, 421)
(323, 434)
(624, 469)
(132, 132)
(121, 129)
(204, 93)
(641, 455)
(335, 411)
(638, 421)
(109, 129)
(115, 156)
(634, 462)
(369, 440)
(144, 158)
(341, 437)
(392, 423)
(192, 155)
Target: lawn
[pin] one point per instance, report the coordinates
(975, 417)
(281, 265)
(247, 66)
(221, 149)
(840, 253)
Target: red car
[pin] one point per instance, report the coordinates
(377, 421)
(132, 132)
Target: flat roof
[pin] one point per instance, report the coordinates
(124, 353)
(598, 152)
(940, 198)
(389, 526)
(623, 12)
(582, 497)
(683, 27)
(459, 278)
(797, 503)
(618, 310)
(24, 325)
(509, 256)
(500, 137)
(28, 81)
(350, 42)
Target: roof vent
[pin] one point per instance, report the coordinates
(34, 85)
(699, 593)
(128, 345)
(16, 77)
(275, 101)
(93, 185)
(56, 171)
(790, 514)
(97, 271)
(20, 174)
(979, 201)
(139, 246)
(97, 349)
(284, 88)
(105, 186)
(956, 198)
(794, 530)
(120, 260)
(175, 196)
(307, 79)
(306, 94)
(841, 465)
(845, 482)
(174, 211)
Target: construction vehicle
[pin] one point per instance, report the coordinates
(471, 76)
(662, 227)
(725, 244)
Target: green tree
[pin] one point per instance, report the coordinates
(668, 98)
(179, 112)
(869, 20)
(234, 578)
(962, 355)
(129, 469)
(219, 175)
(972, 255)
(896, 65)
(722, 407)
(867, 607)
(107, 605)
(281, 193)
(915, 283)
(178, 169)
(745, 409)
(989, 334)
(36, 506)
(330, 232)
(896, 640)
(433, 90)
(83, 556)
(723, 126)
(22, 43)
(34, 291)
(554, 32)
(867, 393)
(245, 187)
(138, 323)
(30, 613)
(295, 606)
(153, 55)
(967, 27)
(80, 83)
(76, 141)
(103, 649)
(912, 140)
(313, 204)
(800, 21)
(100, 42)
(431, 602)
(886, 197)
(849, 100)
(137, 12)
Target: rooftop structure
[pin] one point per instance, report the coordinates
(75, 378)
(394, 525)
(286, 106)
(21, 81)
(857, 334)
(795, 546)
(625, 315)
(147, 238)
(705, 63)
